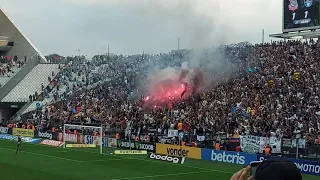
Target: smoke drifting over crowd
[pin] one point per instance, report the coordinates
(198, 30)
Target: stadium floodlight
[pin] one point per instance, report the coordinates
(81, 129)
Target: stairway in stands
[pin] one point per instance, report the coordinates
(31, 83)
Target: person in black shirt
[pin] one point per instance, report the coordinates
(18, 145)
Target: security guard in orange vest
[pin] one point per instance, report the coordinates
(218, 146)
(267, 150)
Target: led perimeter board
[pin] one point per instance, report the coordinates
(300, 15)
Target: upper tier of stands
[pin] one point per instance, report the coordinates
(33, 83)
(10, 66)
(16, 53)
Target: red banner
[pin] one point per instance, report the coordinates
(51, 143)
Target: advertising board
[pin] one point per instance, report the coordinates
(4, 130)
(51, 143)
(24, 139)
(305, 166)
(130, 152)
(46, 135)
(166, 158)
(227, 156)
(77, 138)
(80, 145)
(23, 132)
(121, 143)
(178, 151)
(95, 140)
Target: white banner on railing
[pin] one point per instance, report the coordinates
(301, 142)
(4, 130)
(172, 133)
(256, 144)
(201, 138)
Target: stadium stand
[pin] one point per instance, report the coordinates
(272, 92)
(18, 56)
(31, 83)
(269, 90)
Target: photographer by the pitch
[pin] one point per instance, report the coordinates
(272, 169)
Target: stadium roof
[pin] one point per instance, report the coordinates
(21, 44)
(299, 34)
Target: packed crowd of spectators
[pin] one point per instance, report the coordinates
(273, 90)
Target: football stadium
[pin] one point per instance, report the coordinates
(237, 111)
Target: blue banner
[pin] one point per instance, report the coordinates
(24, 139)
(227, 156)
(95, 140)
(305, 166)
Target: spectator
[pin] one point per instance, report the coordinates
(273, 90)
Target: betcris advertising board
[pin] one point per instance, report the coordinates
(227, 156)
(95, 140)
(305, 166)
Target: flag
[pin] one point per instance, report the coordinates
(296, 76)
(233, 110)
(244, 113)
(248, 110)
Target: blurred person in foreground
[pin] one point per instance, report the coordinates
(271, 169)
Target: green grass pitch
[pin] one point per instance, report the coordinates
(38, 162)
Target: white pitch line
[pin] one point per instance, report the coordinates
(163, 175)
(98, 160)
(44, 155)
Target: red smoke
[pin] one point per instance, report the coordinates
(174, 89)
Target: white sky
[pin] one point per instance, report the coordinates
(134, 26)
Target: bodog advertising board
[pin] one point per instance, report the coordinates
(178, 151)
